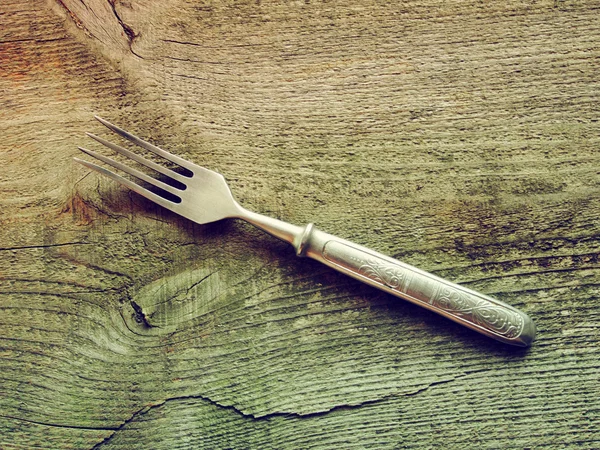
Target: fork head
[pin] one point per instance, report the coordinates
(194, 192)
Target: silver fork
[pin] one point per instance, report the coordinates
(203, 196)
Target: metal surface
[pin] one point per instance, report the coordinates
(203, 196)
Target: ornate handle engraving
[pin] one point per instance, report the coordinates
(479, 310)
(460, 304)
(378, 270)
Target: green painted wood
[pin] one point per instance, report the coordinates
(458, 137)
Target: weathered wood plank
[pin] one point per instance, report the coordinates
(458, 137)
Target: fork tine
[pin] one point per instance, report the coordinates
(129, 184)
(140, 159)
(136, 173)
(148, 146)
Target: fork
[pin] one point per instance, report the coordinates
(203, 196)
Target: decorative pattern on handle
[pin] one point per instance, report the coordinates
(479, 310)
(424, 288)
(390, 275)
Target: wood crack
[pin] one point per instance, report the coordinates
(73, 16)
(196, 44)
(279, 414)
(35, 39)
(58, 425)
(139, 315)
(131, 35)
(28, 247)
(534, 272)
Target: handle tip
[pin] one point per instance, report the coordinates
(527, 334)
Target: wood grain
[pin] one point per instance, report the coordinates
(459, 137)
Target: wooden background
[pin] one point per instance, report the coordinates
(461, 137)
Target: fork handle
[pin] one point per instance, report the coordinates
(479, 312)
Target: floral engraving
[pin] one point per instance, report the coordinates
(478, 310)
(421, 287)
(389, 274)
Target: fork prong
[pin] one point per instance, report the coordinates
(130, 184)
(136, 173)
(148, 146)
(140, 159)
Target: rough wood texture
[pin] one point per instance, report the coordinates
(461, 137)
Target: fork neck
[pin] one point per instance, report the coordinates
(287, 232)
